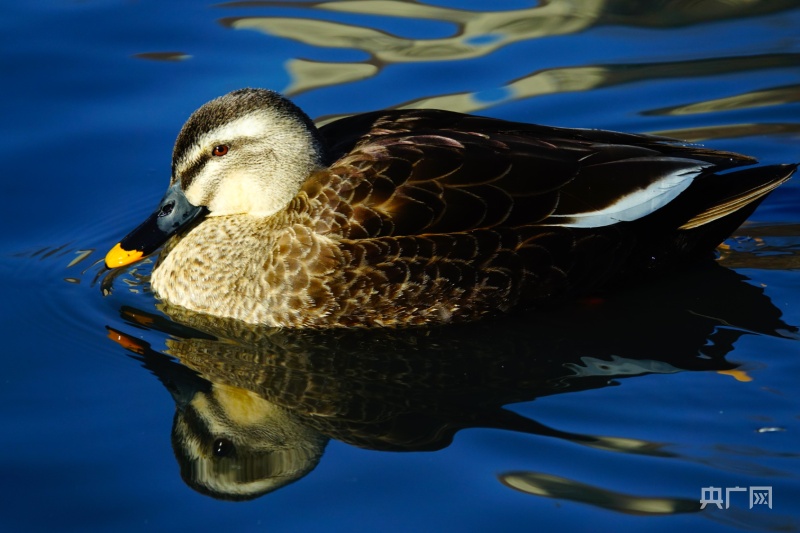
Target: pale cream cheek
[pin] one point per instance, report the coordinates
(240, 194)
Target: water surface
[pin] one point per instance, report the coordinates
(616, 411)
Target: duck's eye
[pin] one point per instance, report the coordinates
(222, 447)
(219, 150)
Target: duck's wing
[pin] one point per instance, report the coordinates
(437, 172)
(449, 217)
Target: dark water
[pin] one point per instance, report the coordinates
(641, 399)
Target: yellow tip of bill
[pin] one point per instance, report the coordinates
(119, 257)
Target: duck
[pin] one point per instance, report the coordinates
(422, 217)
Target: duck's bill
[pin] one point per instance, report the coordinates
(174, 213)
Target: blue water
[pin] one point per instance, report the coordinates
(658, 392)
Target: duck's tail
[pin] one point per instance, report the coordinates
(722, 203)
(706, 214)
(737, 193)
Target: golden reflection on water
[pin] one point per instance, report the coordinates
(550, 486)
(587, 78)
(766, 97)
(769, 247)
(480, 33)
(476, 33)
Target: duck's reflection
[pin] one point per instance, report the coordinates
(232, 444)
(255, 407)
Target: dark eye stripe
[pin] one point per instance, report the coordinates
(188, 175)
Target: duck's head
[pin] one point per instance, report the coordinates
(245, 153)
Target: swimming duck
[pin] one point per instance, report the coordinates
(412, 217)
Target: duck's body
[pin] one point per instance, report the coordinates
(417, 217)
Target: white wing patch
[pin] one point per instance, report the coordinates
(635, 205)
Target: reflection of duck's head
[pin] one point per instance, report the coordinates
(232, 444)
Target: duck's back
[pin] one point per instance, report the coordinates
(441, 216)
